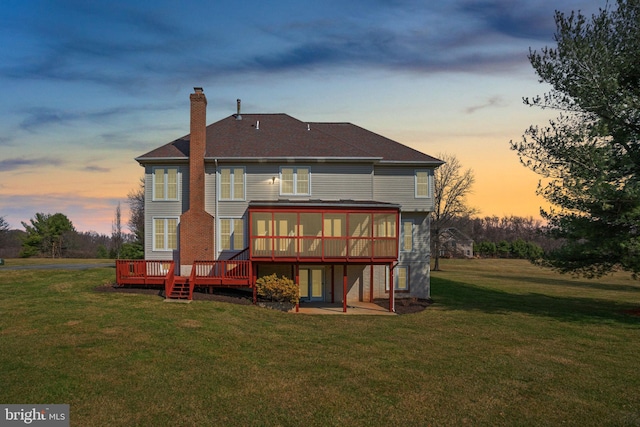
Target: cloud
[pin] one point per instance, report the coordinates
(40, 117)
(494, 101)
(93, 168)
(129, 47)
(8, 165)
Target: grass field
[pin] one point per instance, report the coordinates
(505, 343)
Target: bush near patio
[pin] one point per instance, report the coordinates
(278, 289)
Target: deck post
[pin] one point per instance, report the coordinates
(252, 272)
(333, 283)
(297, 268)
(391, 289)
(371, 284)
(344, 288)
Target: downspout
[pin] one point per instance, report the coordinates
(215, 225)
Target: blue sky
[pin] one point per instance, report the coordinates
(89, 85)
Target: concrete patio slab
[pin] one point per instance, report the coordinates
(353, 308)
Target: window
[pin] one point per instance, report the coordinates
(165, 234)
(400, 279)
(165, 183)
(232, 183)
(231, 234)
(295, 181)
(422, 184)
(407, 236)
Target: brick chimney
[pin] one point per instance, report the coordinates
(196, 224)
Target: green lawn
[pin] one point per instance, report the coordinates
(505, 343)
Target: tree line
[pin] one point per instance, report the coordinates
(54, 236)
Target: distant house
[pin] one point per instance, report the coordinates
(341, 210)
(455, 244)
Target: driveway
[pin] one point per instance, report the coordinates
(57, 266)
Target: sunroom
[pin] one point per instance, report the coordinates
(310, 240)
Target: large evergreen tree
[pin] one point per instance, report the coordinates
(589, 156)
(46, 235)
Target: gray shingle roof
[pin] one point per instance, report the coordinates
(278, 136)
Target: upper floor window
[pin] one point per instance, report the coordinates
(165, 183)
(232, 183)
(422, 184)
(295, 181)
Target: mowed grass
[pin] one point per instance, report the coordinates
(505, 343)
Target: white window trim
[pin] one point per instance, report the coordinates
(244, 234)
(295, 180)
(429, 184)
(413, 235)
(232, 175)
(166, 236)
(154, 197)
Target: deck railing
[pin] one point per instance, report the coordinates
(142, 271)
(222, 269)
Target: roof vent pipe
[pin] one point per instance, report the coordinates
(238, 116)
(258, 125)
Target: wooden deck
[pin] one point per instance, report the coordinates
(227, 273)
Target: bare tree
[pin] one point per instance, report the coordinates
(117, 236)
(4, 225)
(452, 184)
(135, 199)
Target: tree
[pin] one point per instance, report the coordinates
(451, 187)
(589, 156)
(117, 236)
(4, 225)
(135, 199)
(46, 235)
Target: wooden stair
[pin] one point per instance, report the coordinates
(180, 289)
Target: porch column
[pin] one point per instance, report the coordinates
(391, 289)
(344, 288)
(333, 283)
(254, 278)
(297, 267)
(371, 284)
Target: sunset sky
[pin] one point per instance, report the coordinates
(86, 86)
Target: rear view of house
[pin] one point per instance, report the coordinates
(341, 210)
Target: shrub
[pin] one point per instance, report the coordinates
(274, 288)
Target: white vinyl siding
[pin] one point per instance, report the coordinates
(165, 234)
(295, 181)
(231, 234)
(232, 183)
(422, 184)
(165, 183)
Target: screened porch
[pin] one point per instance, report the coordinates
(324, 232)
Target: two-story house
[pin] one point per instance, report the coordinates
(340, 209)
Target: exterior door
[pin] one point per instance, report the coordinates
(312, 283)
